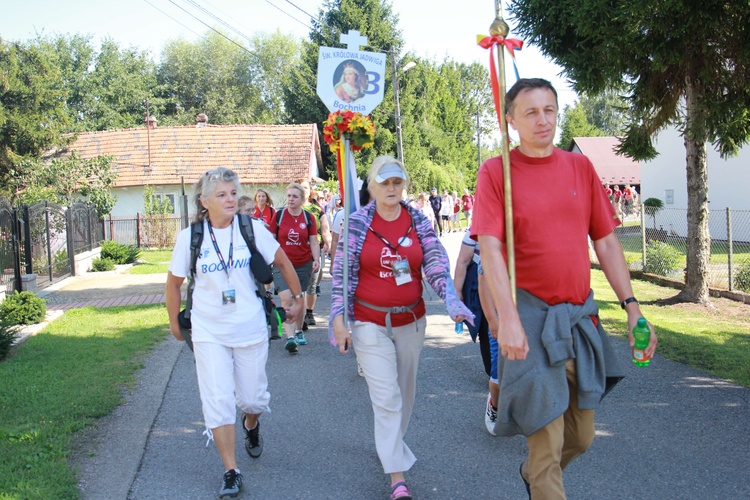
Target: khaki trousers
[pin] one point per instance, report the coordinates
(390, 369)
(554, 446)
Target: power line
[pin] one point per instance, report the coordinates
(219, 20)
(301, 10)
(215, 30)
(172, 18)
(288, 14)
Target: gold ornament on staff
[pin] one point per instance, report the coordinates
(500, 28)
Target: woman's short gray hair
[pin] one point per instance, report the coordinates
(206, 186)
(380, 162)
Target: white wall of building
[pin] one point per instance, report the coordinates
(727, 179)
(665, 177)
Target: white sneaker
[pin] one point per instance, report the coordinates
(490, 416)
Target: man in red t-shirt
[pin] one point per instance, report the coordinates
(552, 264)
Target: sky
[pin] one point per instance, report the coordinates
(438, 31)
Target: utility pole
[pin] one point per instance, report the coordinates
(396, 70)
(399, 137)
(148, 133)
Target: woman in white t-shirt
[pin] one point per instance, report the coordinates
(446, 211)
(229, 334)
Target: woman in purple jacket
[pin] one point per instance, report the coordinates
(390, 245)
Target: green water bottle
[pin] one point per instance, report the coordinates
(642, 335)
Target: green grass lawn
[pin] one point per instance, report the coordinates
(57, 382)
(631, 245)
(716, 341)
(152, 262)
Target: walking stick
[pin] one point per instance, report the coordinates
(499, 28)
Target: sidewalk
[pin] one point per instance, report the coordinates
(666, 432)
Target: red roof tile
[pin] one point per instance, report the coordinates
(611, 167)
(260, 154)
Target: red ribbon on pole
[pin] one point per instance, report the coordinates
(490, 42)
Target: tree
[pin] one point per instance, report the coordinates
(576, 124)
(158, 226)
(106, 88)
(122, 79)
(68, 180)
(214, 76)
(73, 55)
(693, 73)
(276, 55)
(33, 117)
(606, 110)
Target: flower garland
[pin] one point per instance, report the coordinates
(358, 128)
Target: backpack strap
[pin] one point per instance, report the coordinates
(196, 239)
(307, 221)
(279, 216)
(246, 228)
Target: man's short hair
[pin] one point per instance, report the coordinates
(526, 84)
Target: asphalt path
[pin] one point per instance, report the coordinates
(666, 432)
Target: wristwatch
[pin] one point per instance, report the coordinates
(298, 296)
(628, 301)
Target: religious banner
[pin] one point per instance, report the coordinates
(351, 79)
(350, 84)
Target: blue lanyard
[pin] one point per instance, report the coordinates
(227, 265)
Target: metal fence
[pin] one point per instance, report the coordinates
(144, 231)
(43, 239)
(656, 242)
(9, 249)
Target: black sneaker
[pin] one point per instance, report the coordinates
(253, 441)
(310, 319)
(231, 484)
(304, 326)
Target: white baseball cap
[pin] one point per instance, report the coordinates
(389, 171)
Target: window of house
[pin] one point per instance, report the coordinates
(171, 198)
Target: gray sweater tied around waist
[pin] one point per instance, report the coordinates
(534, 391)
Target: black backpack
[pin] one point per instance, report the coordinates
(259, 269)
(280, 215)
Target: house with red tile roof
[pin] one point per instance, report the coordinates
(269, 156)
(611, 167)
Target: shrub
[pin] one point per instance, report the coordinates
(60, 262)
(653, 206)
(102, 264)
(8, 334)
(23, 308)
(742, 278)
(119, 253)
(661, 258)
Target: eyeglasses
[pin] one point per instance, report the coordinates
(221, 173)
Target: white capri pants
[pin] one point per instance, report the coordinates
(230, 377)
(390, 368)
